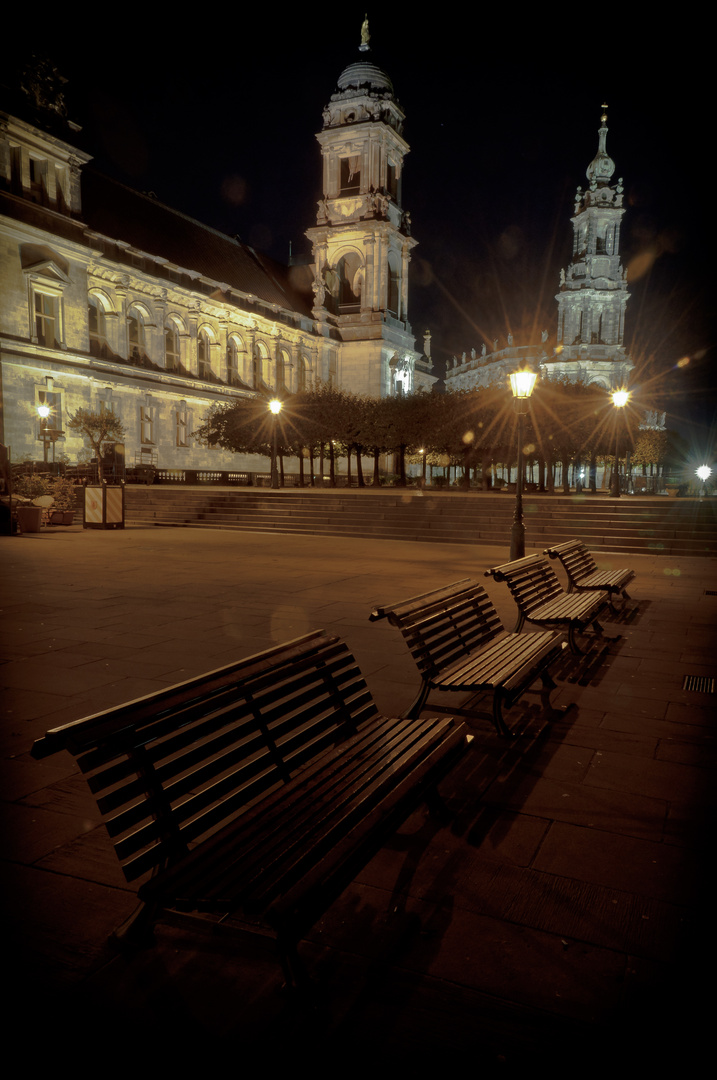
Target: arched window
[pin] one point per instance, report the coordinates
(204, 360)
(303, 374)
(137, 335)
(234, 360)
(350, 274)
(283, 367)
(261, 365)
(172, 354)
(98, 326)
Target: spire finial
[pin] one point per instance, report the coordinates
(601, 168)
(365, 36)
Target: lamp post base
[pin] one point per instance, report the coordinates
(517, 541)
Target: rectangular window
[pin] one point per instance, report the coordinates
(350, 174)
(147, 425)
(45, 319)
(38, 180)
(182, 427)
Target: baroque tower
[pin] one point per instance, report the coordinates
(362, 240)
(593, 290)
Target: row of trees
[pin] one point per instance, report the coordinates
(567, 423)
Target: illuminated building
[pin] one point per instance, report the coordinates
(362, 240)
(111, 300)
(591, 302)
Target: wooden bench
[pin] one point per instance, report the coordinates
(459, 644)
(258, 789)
(542, 600)
(584, 575)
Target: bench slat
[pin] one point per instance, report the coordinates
(253, 875)
(258, 780)
(583, 573)
(541, 599)
(458, 642)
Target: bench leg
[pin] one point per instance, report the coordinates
(500, 725)
(414, 709)
(549, 685)
(519, 625)
(572, 641)
(137, 932)
(295, 973)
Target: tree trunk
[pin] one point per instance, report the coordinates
(593, 473)
(401, 466)
(566, 471)
(359, 468)
(550, 473)
(487, 474)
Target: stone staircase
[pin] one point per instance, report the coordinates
(632, 524)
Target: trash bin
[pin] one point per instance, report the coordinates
(104, 506)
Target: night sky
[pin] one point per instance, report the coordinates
(218, 118)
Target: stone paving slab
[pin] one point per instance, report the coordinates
(567, 887)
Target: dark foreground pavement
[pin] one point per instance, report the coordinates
(562, 914)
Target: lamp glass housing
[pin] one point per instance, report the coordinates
(522, 384)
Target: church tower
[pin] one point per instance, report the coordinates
(362, 240)
(593, 290)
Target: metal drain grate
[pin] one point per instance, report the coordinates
(703, 684)
(710, 592)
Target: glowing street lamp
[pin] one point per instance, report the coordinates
(274, 409)
(704, 472)
(522, 384)
(620, 398)
(43, 411)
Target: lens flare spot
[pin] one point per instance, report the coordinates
(468, 437)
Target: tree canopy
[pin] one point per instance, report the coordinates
(566, 421)
(97, 428)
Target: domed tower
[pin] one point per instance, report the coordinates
(362, 240)
(593, 290)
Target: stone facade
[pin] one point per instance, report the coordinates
(111, 300)
(362, 240)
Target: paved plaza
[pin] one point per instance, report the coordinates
(560, 913)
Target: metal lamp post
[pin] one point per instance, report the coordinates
(43, 411)
(619, 400)
(48, 434)
(274, 409)
(522, 384)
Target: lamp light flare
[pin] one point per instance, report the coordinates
(620, 398)
(275, 406)
(522, 383)
(43, 411)
(704, 472)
